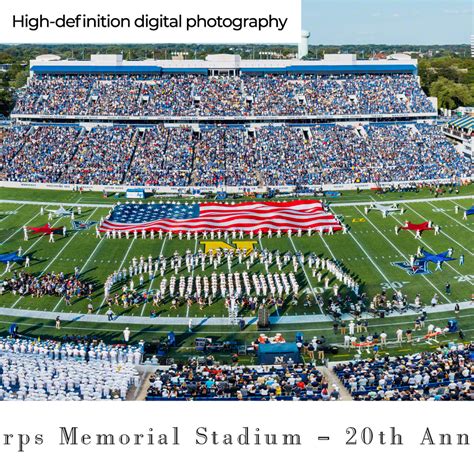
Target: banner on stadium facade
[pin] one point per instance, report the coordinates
(280, 353)
(229, 189)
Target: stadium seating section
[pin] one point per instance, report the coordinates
(300, 382)
(235, 156)
(197, 95)
(444, 375)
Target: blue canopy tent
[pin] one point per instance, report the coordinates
(470, 211)
(275, 354)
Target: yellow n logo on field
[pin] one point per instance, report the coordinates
(246, 245)
(358, 219)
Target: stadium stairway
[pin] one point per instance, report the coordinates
(139, 393)
(334, 380)
(135, 139)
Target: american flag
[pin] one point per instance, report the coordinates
(246, 216)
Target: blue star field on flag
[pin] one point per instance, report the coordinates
(139, 213)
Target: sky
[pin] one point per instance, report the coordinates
(388, 21)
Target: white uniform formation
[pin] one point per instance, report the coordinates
(32, 370)
(316, 264)
(230, 284)
(212, 235)
(234, 284)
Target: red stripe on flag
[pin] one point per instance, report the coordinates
(247, 216)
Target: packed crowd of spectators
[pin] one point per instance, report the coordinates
(103, 155)
(63, 154)
(51, 284)
(199, 95)
(385, 153)
(163, 157)
(213, 156)
(58, 94)
(285, 157)
(210, 158)
(236, 156)
(240, 149)
(39, 154)
(366, 94)
(446, 374)
(147, 164)
(275, 95)
(194, 382)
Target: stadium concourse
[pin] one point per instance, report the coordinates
(153, 212)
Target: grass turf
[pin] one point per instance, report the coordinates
(366, 251)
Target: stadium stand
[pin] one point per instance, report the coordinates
(192, 382)
(264, 155)
(225, 121)
(197, 95)
(447, 374)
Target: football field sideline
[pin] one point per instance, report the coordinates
(333, 204)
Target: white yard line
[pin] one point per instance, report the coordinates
(13, 213)
(327, 246)
(121, 265)
(91, 255)
(26, 251)
(34, 217)
(372, 261)
(83, 268)
(34, 244)
(55, 203)
(335, 204)
(459, 222)
(403, 255)
(57, 255)
(153, 279)
(431, 248)
(396, 201)
(453, 219)
(64, 246)
(455, 241)
(21, 228)
(307, 278)
(456, 204)
(137, 320)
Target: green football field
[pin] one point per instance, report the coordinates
(367, 251)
